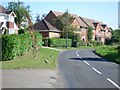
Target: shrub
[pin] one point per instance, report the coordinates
(9, 47)
(45, 40)
(57, 42)
(76, 40)
(17, 45)
(95, 43)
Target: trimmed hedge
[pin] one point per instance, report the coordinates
(58, 42)
(18, 45)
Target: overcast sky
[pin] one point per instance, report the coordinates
(107, 12)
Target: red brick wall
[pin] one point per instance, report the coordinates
(84, 33)
(75, 23)
(45, 34)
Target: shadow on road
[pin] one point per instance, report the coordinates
(89, 59)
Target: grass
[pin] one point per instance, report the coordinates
(27, 60)
(109, 52)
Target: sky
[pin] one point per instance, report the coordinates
(107, 12)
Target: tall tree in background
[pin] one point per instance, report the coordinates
(37, 18)
(18, 8)
(116, 36)
(60, 23)
(90, 33)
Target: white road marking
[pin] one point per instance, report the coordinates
(86, 62)
(96, 70)
(113, 83)
(77, 52)
(78, 55)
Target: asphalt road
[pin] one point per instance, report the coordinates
(84, 69)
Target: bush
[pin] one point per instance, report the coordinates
(95, 43)
(8, 47)
(17, 45)
(76, 40)
(57, 42)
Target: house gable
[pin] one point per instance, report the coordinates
(12, 14)
(75, 23)
(50, 17)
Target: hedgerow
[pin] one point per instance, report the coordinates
(17, 45)
(58, 42)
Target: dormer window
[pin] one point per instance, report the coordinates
(95, 24)
(103, 25)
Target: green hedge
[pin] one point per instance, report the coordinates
(18, 45)
(57, 42)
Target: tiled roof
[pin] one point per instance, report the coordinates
(1, 23)
(5, 11)
(45, 25)
(81, 23)
(91, 22)
(56, 13)
(2, 9)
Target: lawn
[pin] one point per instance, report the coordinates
(27, 60)
(109, 52)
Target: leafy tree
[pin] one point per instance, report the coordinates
(65, 22)
(90, 33)
(43, 16)
(61, 21)
(37, 18)
(18, 8)
(116, 36)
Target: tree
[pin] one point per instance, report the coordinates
(60, 23)
(115, 36)
(18, 8)
(90, 33)
(37, 18)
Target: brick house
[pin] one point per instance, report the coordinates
(77, 22)
(46, 29)
(7, 23)
(100, 30)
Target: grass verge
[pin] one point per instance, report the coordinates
(27, 60)
(109, 52)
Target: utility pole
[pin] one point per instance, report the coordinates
(67, 29)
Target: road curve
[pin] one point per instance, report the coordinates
(83, 69)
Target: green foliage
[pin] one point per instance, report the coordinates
(90, 33)
(17, 45)
(76, 40)
(95, 43)
(21, 31)
(27, 61)
(19, 9)
(110, 52)
(38, 39)
(57, 42)
(115, 36)
(64, 22)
